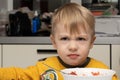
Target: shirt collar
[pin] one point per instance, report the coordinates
(70, 66)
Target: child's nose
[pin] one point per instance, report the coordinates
(73, 46)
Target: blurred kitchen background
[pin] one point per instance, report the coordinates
(10, 10)
(20, 37)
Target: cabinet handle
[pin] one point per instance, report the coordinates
(43, 51)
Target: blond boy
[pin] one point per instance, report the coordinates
(73, 35)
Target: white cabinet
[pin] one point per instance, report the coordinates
(23, 55)
(0, 56)
(102, 53)
(26, 55)
(116, 58)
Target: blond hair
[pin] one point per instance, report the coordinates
(73, 15)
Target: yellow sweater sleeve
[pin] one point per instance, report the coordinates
(29, 73)
(13, 73)
(34, 72)
(7, 74)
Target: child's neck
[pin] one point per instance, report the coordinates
(71, 66)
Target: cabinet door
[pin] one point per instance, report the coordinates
(23, 55)
(0, 57)
(102, 53)
(116, 58)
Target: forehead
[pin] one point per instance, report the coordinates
(72, 30)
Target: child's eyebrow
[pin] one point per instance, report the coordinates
(63, 35)
(79, 35)
(85, 36)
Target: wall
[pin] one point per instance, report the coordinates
(9, 5)
(3, 4)
(78, 1)
(6, 4)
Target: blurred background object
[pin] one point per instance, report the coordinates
(3, 21)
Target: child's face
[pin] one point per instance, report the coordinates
(72, 49)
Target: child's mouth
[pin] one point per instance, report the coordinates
(73, 56)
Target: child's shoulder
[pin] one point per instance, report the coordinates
(50, 61)
(96, 63)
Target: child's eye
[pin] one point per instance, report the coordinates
(64, 38)
(81, 39)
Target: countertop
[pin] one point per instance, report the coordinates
(46, 40)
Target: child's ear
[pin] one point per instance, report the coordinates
(53, 40)
(92, 41)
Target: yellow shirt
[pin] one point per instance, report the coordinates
(35, 72)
